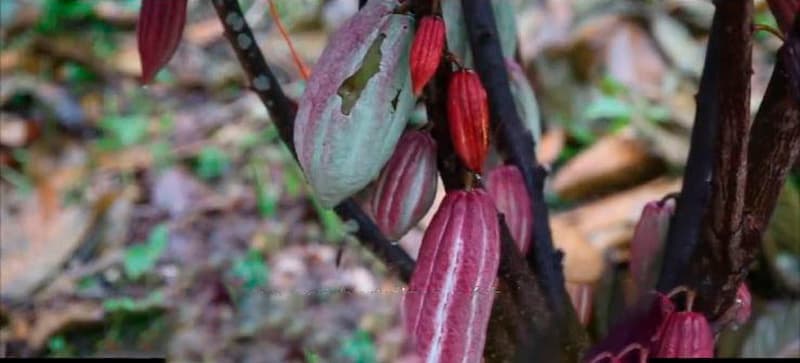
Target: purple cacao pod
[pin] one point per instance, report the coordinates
(686, 334)
(406, 186)
(507, 188)
(643, 326)
(158, 31)
(647, 243)
(449, 298)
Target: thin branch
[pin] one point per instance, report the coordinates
(684, 229)
(716, 261)
(282, 110)
(518, 144)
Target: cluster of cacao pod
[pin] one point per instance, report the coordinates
(351, 133)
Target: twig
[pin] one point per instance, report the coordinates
(282, 111)
(276, 17)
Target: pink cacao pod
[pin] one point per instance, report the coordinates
(450, 295)
(406, 186)
(507, 188)
(744, 304)
(686, 334)
(648, 241)
(468, 118)
(158, 31)
(426, 51)
(581, 295)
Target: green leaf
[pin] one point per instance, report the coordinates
(251, 269)
(211, 163)
(142, 257)
(607, 108)
(359, 348)
(505, 18)
(457, 41)
(122, 131)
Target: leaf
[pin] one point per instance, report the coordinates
(251, 269)
(359, 348)
(505, 18)
(775, 333)
(524, 99)
(457, 41)
(143, 257)
(211, 163)
(781, 242)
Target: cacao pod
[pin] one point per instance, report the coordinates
(356, 103)
(450, 295)
(686, 334)
(581, 296)
(468, 118)
(647, 243)
(406, 187)
(158, 33)
(507, 189)
(643, 325)
(426, 51)
(744, 304)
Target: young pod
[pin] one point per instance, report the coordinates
(686, 334)
(647, 243)
(744, 304)
(582, 296)
(468, 118)
(643, 325)
(356, 103)
(426, 51)
(507, 189)
(158, 33)
(450, 295)
(406, 186)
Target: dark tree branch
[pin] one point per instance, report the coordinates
(282, 110)
(517, 142)
(684, 229)
(716, 261)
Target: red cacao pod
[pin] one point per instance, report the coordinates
(158, 31)
(507, 189)
(426, 51)
(686, 334)
(406, 186)
(744, 304)
(450, 295)
(468, 117)
(648, 241)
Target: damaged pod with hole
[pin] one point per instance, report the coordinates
(468, 118)
(356, 103)
(507, 188)
(648, 241)
(158, 32)
(426, 51)
(686, 334)
(450, 295)
(406, 187)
